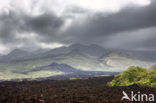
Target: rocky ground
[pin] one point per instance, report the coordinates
(92, 90)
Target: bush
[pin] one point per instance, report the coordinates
(135, 75)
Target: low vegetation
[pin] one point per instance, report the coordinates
(7, 76)
(135, 75)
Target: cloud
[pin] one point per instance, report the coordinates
(44, 24)
(37, 23)
(100, 27)
(141, 39)
(13, 26)
(127, 19)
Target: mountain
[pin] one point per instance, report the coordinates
(16, 54)
(121, 60)
(19, 55)
(92, 50)
(125, 54)
(90, 58)
(22, 55)
(60, 67)
(82, 61)
(53, 71)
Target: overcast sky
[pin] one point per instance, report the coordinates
(121, 24)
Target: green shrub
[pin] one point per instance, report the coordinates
(135, 75)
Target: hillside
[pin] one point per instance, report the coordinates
(81, 57)
(52, 71)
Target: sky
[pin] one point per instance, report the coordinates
(118, 24)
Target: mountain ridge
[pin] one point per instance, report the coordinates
(77, 56)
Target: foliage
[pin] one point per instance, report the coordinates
(135, 75)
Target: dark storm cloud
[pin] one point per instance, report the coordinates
(9, 25)
(97, 28)
(149, 43)
(44, 24)
(102, 26)
(13, 23)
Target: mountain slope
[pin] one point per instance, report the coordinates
(82, 57)
(124, 60)
(16, 54)
(53, 71)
